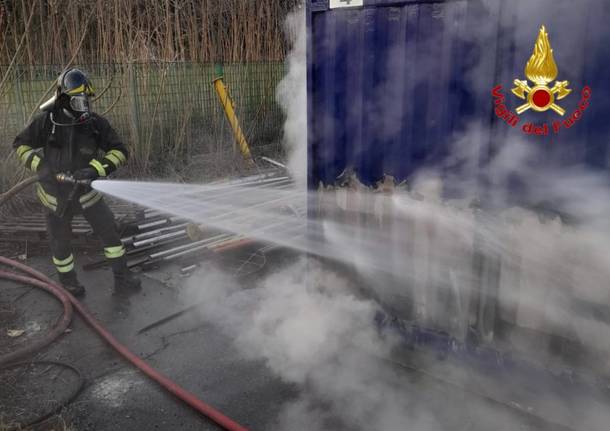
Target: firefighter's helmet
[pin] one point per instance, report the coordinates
(74, 88)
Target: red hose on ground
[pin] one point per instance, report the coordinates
(184, 395)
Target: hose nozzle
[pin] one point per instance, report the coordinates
(69, 179)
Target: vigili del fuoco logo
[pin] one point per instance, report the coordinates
(541, 70)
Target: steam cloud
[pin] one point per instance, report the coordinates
(312, 331)
(292, 96)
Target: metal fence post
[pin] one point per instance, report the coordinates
(229, 108)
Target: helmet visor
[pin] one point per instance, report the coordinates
(79, 103)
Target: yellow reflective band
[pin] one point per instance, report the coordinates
(98, 167)
(114, 159)
(49, 197)
(87, 89)
(46, 203)
(118, 154)
(87, 196)
(77, 90)
(92, 201)
(114, 252)
(22, 149)
(66, 268)
(35, 162)
(63, 262)
(24, 156)
(89, 199)
(44, 198)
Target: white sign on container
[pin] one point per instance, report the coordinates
(335, 4)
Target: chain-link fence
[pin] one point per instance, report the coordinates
(168, 113)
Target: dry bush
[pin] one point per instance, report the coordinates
(143, 30)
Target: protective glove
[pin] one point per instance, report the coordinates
(86, 174)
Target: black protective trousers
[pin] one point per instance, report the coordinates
(101, 219)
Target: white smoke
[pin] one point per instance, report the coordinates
(311, 330)
(292, 97)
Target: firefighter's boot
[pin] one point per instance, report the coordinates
(125, 282)
(70, 282)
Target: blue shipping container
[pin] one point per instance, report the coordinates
(393, 84)
(471, 91)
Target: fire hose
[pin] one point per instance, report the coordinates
(61, 178)
(4, 197)
(37, 279)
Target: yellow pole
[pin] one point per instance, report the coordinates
(227, 105)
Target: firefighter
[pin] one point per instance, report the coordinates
(66, 137)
